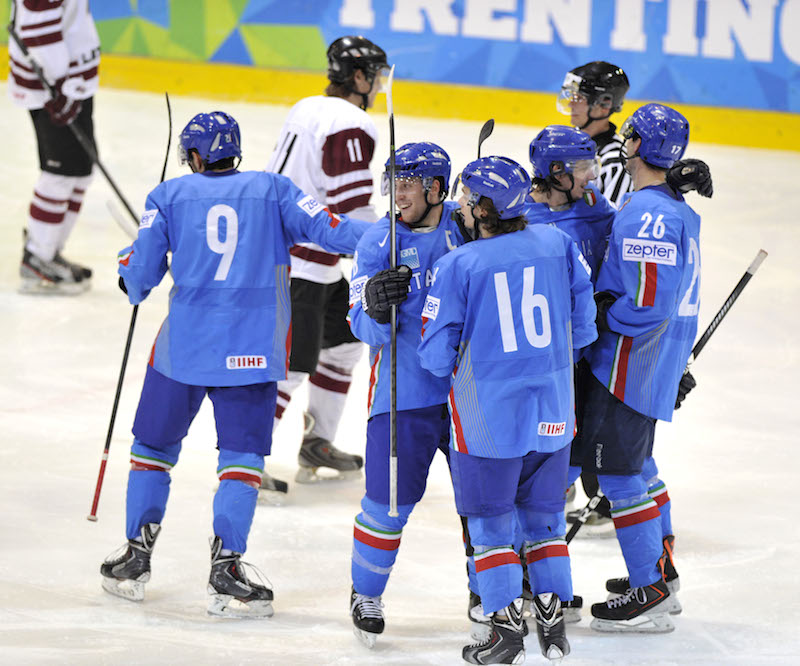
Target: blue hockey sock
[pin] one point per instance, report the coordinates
(234, 507)
(497, 563)
(657, 490)
(546, 553)
(146, 502)
(376, 539)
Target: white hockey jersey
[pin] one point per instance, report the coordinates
(61, 37)
(325, 147)
(613, 181)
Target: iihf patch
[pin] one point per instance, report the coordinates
(147, 218)
(409, 257)
(552, 429)
(310, 206)
(431, 307)
(246, 362)
(357, 288)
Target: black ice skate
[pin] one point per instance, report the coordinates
(621, 585)
(316, 453)
(232, 593)
(639, 610)
(49, 277)
(272, 491)
(481, 624)
(504, 645)
(79, 271)
(367, 617)
(572, 609)
(127, 569)
(550, 626)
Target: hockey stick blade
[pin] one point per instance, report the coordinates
(485, 133)
(123, 222)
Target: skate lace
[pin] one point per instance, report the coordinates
(256, 575)
(623, 599)
(116, 554)
(368, 607)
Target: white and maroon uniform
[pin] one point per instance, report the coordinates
(325, 147)
(61, 37)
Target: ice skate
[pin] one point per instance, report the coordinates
(272, 491)
(49, 277)
(572, 609)
(639, 610)
(317, 453)
(78, 270)
(504, 644)
(127, 569)
(367, 617)
(232, 593)
(618, 586)
(550, 627)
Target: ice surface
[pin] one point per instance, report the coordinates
(730, 458)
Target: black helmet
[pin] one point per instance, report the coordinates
(347, 54)
(599, 81)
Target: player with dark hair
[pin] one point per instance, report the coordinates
(62, 39)
(502, 321)
(325, 147)
(647, 304)
(225, 337)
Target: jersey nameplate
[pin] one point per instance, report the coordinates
(655, 252)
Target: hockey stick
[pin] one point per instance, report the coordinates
(393, 312)
(698, 347)
(130, 230)
(104, 460)
(486, 132)
(86, 142)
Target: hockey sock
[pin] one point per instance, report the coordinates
(148, 485)
(73, 208)
(657, 490)
(637, 521)
(546, 553)
(46, 214)
(285, 389)
(235, 501)
(497, 563)
(328, 387)
(376, 539)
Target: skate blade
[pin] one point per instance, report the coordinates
(38, 287)
(555, 654)
(132, 590)
(224, 605)
(479, 632)
(365, 637)
(313, 475)
(571, 615)
(654, 623)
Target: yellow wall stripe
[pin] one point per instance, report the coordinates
(737, 127)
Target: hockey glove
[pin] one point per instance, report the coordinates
(687, 384)
(122, 286)
(688, 175)
(383, 290)
(603, 300)
(64, 107)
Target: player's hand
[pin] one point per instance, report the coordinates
(687, 384)
(383, 290)
(688, 175)
(64, 106)
(603, 300)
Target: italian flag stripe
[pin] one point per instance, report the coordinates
(659, 494)
(240, 473)
(552, 548)
(374, 375)
(495, 558)
(151, 463)
(375, 538)
(636, 514)
(648, 279)
(458, 433)
(619, 369)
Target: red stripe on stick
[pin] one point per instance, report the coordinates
(375, 542)
(622, 367)
(643, 516)
(556, 550)
(496, 560)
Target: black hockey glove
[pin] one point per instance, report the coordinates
(603, 300)
(688, 175)
(687, 384)
(122, 286)
(383, 290)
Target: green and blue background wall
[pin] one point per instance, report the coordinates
(732, 66)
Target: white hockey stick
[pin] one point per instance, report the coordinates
(124, 223)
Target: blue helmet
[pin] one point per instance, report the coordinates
(557, 148)
(423, 160)
(664, 133)
(214, 136)
(500, 179)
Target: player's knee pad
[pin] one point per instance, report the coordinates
(378, 514)
(493, 530)
(239, 466)
(343, 357)
(144, 457)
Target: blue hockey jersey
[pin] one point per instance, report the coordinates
(229, 309)
(587, 221)
(503, 317)
(418, 250)
(653, 267)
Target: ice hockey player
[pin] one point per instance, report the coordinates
(61, 38)
(325, 147)
(225, 336)
(425, 232)
(647, 304)
(514, 295)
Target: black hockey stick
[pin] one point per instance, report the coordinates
(393, 312)
(698, 347)
(486, 132)
(85, 141)
(104, 460)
